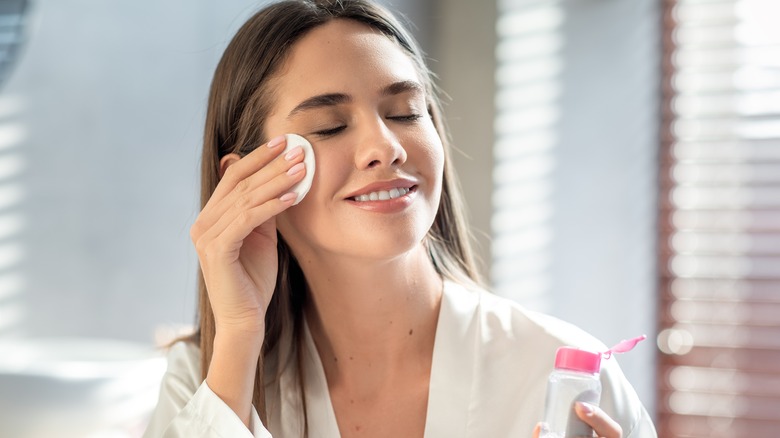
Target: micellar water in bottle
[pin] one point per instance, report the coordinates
(575, 379)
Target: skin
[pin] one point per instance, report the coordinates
(602, 424)
(374, 292)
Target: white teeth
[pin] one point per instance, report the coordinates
(382, 195)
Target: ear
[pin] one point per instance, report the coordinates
(226, 162)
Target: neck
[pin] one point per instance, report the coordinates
(371, 320)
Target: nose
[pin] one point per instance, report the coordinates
(378, 146)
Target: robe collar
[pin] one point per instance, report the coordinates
(455, 353)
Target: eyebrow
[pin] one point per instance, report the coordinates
(402, 87)
(319, 101)
(333, 99)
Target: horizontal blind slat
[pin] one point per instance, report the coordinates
(723, 173)
(714, 427)
(758, 361)
(723, 406)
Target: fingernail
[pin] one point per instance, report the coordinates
(287, 197)
(586, 408)
(276, 141)
(293, 153)
(295, 169)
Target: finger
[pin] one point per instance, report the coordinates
(272, 189)
(248, 165)
(248, 186)
(265, 184)
(240, 209)
(602, 424)
(249, 190)
(537, 430)
(246, 216)
(249, 220)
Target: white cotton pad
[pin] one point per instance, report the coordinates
(302, 188)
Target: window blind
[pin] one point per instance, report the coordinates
(12, 134)
(719, 332)
(529, 66)
(12, 15)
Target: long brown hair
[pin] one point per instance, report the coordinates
(238, 105)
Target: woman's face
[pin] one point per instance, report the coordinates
(357, 97)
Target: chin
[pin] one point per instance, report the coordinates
(356, 237)
(376, 246)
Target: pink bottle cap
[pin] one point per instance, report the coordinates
(570, 358)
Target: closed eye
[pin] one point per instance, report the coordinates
(331, 131)
(406, 118)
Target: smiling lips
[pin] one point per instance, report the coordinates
(383, 191)
(382, 195)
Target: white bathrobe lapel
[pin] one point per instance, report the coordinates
(452, 371)
(454, 359)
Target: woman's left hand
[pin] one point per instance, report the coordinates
(602, 424)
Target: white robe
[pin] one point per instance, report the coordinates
(491, 360)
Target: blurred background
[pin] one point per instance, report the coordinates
(620, 158)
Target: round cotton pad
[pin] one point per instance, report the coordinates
(302, 188)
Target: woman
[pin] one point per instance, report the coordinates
(357, 311)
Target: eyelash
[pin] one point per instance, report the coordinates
(409, 118)
(331, 131)
(403, 119)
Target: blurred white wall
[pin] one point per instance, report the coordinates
(110, 99)
(605, 203)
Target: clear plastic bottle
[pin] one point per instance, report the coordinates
(575, 378)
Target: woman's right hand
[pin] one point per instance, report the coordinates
(235, 237)
(235, 234)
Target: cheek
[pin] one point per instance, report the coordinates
(325, 185)
(431, 152)
(437, 158)
(333, 169)
(287, 223)
(302, 225)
